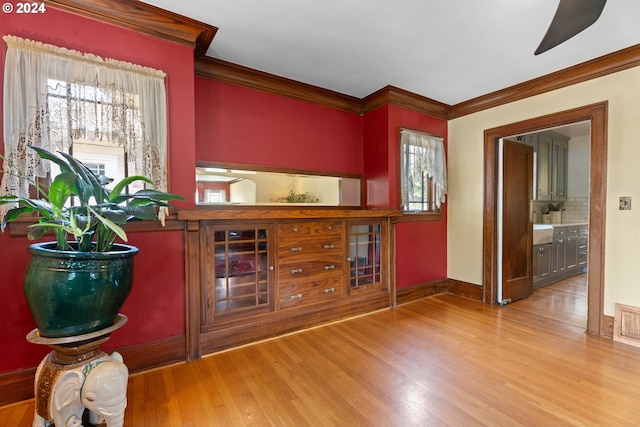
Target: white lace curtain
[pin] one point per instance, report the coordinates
(109, 100)
(428, 157)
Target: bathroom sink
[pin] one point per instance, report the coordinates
(542, 234)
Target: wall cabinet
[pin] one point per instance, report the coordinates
(568, 255)
(552, 156)
(253, 274)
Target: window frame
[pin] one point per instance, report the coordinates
(435, 213)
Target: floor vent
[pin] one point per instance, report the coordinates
(626, 325)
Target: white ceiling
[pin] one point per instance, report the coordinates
(447, 50)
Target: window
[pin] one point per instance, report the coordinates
(101, 111)
(423, 172)
(96, 168)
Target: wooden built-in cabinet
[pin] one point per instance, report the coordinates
(254, 274)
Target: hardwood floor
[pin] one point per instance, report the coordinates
(564, 301)
(439, 361)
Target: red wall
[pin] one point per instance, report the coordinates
(156, 307)
(214, 121)
(421, 247)
(245, 126)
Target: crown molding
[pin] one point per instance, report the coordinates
(227, 72)
(405, 99)
(148, 19)
(220, 70)
(144, 18)
(598, 67)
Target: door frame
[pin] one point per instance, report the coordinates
(597, 115)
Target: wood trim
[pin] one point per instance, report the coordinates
(286, 321)
(158, 22)
(285, 214)
(154, 354)
(467, 290)
(597, 115)
(227, 72)
(405, 99)
(598, 67)
(20, 227)
(607, 326)
(17, 385)
(144, 18)
(192, 289)
(412, 293)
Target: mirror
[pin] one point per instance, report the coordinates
(219, 185)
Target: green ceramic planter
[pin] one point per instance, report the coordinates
(75, 293)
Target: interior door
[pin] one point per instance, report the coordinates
(517, 229)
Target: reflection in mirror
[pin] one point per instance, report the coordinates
(222, 186)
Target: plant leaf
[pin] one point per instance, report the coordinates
(48, 155)
(60, 190)
(120, 186)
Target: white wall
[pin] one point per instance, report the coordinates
(466, 162)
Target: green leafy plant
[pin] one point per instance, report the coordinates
(97, 215)
(294, 197)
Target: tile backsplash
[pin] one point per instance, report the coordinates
(576, 209)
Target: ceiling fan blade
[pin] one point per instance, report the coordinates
(572, 17)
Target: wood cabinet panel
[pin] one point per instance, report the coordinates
(310, 247)
(302, 229)
(304, 269)
(315, 289)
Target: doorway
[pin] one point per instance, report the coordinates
(596, 114)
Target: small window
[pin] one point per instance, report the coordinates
(423, 172)
(96, 168)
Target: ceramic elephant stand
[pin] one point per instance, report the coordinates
(78, 384)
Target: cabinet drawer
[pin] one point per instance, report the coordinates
(583, 230)
(309, 228)
(309, 247)
(319, 288)
(559, 232)
(307, 268)
(572, 231)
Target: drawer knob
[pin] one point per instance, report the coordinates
(329, 246)
(298, 249)
(294, 271)
(298, 296)
(295, 229)
(329, 290)
(329, 267)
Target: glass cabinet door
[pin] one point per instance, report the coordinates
(543, 174)
(560, 160)
(364, 256)
(236, 277)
